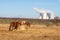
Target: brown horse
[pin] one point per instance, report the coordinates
(14, 25)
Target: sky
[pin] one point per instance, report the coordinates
(24, 8)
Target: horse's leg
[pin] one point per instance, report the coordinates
(16, 27)
(11, 28)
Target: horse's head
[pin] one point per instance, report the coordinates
(25, 23)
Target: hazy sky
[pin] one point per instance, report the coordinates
(24, 8)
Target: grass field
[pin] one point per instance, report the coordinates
(35, 32)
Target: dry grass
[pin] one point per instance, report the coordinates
(35, 32)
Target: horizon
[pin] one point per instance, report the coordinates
(24, 8)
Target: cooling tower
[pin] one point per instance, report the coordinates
(45, 14)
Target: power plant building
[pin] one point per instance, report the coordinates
(45, 14)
